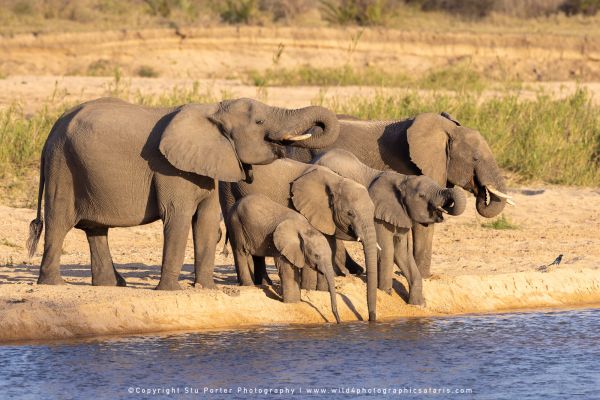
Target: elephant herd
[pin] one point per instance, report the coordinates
(290, 184)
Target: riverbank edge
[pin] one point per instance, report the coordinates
(36, 313)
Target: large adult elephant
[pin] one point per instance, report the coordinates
(431, 144)
(108, 163)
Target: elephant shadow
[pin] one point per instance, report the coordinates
(399, 287)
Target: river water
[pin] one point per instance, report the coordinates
(550, 355)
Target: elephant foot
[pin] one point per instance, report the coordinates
(385, 288)
(111, 280)
(205, 284)
(169, 284)
(50, 279)
(416, 300)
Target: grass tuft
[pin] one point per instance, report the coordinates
(146, 71)
(501, 223)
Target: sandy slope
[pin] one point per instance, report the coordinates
(475, 269)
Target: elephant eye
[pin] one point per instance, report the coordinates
(317, 256)
(351, 213)
(260, 121)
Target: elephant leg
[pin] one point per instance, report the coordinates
(422, 247)
(205, 230)
(54, 237)
(309, 279)
(104, 272)
(405, 260)
(260, 271)
(242, 263)
(344, 262)
(338, 266)
(385, 273)
(322, 283)
(176, 229)
(290, 280)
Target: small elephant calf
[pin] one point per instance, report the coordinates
(260, 227)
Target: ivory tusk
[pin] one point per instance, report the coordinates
(296, 138)
(358, 238)
(487, 197)
(511, 202)
(497, 192)
(378, 247)
(442, 210)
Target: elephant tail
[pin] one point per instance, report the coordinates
(36, 226)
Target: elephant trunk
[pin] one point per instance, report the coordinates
(455, 201)
(331, 284)
(491, 191)
(367, 234)
(311, 127)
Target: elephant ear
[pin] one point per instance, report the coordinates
(192, 142)
(287, 241)
(389, 207)
(428, 137)
(311, 197)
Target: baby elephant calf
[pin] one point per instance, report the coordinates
(261, 227)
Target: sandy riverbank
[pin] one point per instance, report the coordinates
(476, 269)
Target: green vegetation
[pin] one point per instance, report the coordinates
(146, 71)
(501, 223)
(456, 78)
(553, 140)
(357, 12)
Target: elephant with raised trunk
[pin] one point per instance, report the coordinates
(108, 163)
(400, 202)
(261, 227)
(337, 207)
(429, 144)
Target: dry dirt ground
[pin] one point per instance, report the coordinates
(476, 269)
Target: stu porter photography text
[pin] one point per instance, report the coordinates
(253, 391)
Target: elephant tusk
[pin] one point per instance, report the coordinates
(441, 209)
(296, 138)
(358, 238)
(487, 197)
(378, 247)
(511, 202)
(498, 193)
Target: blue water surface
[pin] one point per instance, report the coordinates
(538, 355)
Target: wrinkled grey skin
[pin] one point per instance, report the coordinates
(261, 227)
(429, 144)
(335, 206)
(400, 202)
(108, 163)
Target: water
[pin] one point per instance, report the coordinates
(550, 355)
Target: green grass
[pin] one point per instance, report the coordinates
(552, 140)
(501, 223)
(456, 78)
(541, 139)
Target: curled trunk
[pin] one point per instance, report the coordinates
(455, 201)
(319, 122)
(488, 204)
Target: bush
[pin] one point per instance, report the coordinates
(585, 7)
(360, 12)
(238, 11)
(465, 8)
(146, 71)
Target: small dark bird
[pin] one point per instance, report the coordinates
(557, 260)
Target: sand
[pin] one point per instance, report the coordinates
(476, 269)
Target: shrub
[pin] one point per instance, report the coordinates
(585, 7)
(238, 11)
(146, 71)
(360, 12)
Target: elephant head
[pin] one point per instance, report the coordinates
(401, 199)
(456, 155)
(341, 207)
(304, 246)
(222, 141)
